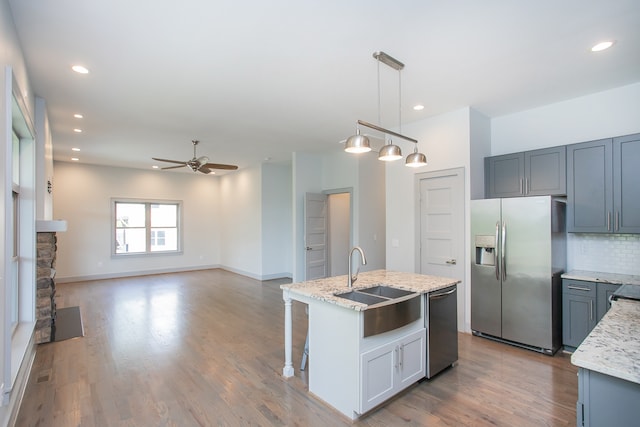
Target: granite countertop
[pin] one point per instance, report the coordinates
(595, 276)
(613, 346)
(324, 289)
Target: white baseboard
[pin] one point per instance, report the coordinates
(119, 275)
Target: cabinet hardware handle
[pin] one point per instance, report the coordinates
(504, 251)
(521, 186)
(590, 309)
(450, 261)
(526, 186)
(497, 262)
(444, 294)
(395, 365)
(579, 288)
(609, 221)
(617, 220)
(401, 355)
(309, 248)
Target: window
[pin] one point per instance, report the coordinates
(146, 227)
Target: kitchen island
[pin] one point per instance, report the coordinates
(350, 369)
(609, 368)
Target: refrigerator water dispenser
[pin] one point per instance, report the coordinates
(486, 250)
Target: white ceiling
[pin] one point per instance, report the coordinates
(256, 79)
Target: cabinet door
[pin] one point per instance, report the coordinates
(626, 184)
(377, 375)
(578, 318)
(546, 172)
(604, 291)
(412, 359)
(504, 176)
(589, 187)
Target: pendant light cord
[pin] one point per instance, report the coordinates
(399, 101)
(379, 118)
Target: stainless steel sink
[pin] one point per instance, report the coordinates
(388, 308)
(386, 291)
(364, 298)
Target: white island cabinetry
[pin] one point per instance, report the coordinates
(390, 368)
(347, 370)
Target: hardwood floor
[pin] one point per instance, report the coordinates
(206, 348)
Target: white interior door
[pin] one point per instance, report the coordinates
(315, 235)
(441, 227)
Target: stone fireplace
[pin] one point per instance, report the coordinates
(46, 246)
(45, 285)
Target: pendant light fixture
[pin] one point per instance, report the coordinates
(357, 143)
(389, 152)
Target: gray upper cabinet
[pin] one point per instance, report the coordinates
(531, 173)
(602, 186)
(545, 172)
(626, 184)
(504, 175)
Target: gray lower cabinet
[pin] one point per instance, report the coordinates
(603, 195)
(578, 311)
(604, 400)
(603, 292)
(530, 173)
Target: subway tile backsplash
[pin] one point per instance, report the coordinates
(609, 253)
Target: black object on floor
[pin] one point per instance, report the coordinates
(68, 324)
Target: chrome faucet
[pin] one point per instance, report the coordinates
(353, 278)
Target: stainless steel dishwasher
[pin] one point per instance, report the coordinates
(442, 329)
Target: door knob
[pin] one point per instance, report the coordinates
(451, 261)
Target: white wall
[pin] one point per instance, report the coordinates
(83, 196)
(276, 221)
(601, 115)
(370, 208)
(241, 222)
(44, 161)
(445, 140)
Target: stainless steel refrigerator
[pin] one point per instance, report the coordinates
(518, 252)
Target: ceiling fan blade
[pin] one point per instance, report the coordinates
(220, 166)
(204, 169)
(173, 167)
(170, 161)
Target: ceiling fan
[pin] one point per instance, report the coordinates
(197, 164)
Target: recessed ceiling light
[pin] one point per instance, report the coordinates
(78, 116)
(602, 46)
(80, 69)
(418, 107)
(75, 149)
(76, 130)
(75, 159)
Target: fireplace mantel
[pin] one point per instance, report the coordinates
(51, 226)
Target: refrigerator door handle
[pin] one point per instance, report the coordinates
(497, 260)
(504, 251)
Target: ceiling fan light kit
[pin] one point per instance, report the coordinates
(389, 152)
(197, 164)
